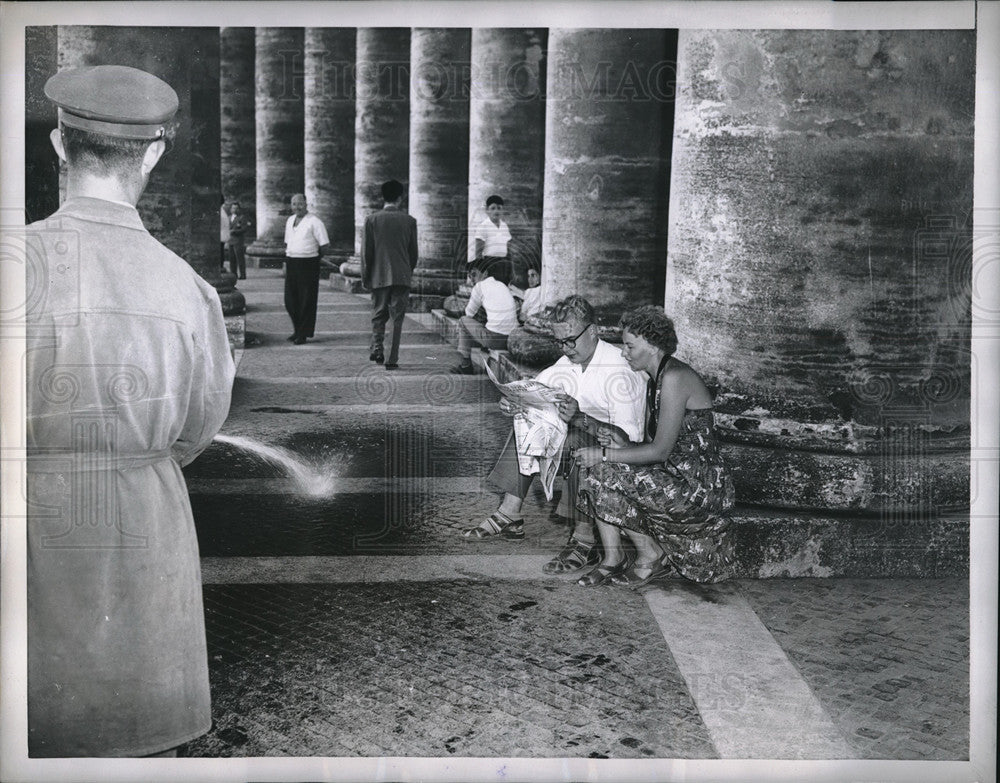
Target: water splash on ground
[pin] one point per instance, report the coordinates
(315, 480)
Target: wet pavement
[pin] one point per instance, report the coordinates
(361, 624)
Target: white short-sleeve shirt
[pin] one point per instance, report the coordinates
(305, 239)
(494, 238)
(609, 390)
(494, 297)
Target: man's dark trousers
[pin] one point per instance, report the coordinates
(389, 302)
(302, 293)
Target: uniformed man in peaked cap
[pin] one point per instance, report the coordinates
(129, 375)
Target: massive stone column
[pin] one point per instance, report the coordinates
(239, 131)
(607, 159)
(381, 129)
(41, 164)
(439, 158)
(507, 135)
(820, 277)
(329, 134)
(280, 93)
(180, 206)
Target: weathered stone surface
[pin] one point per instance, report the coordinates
(815, 545)
(279, 70)
(819, 270)
(382, 120)
(507, 136)
(329, 133)
(41, 164)
(439, 155)
(607, 157)
(239, 129)
(536, 350)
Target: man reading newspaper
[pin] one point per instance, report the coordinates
(593, 387)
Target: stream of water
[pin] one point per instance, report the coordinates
(310, 479)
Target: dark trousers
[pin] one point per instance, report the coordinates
(506, 476)
(302, 293)
(238, 259)
(389, 302)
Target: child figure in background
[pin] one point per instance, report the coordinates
(531, 297)
(491, 237)
(492, 296)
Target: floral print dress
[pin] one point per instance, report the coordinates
(681, 502)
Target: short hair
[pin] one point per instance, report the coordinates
(488, 267)
(573, 306)
(392, 190)
(494, 200)
(104, 155)
(652, 324)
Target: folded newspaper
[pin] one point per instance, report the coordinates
(539, 431)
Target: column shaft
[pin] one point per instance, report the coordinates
(329, 133)
(439, 157)
(239, 132)
(820, 263)
(507, 135)
(607, 159)
(280, 127)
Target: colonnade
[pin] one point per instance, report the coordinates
(800, 200)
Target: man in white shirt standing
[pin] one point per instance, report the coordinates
(491, 237)
(223, 232)
(501, 316)
(601, 390)
(305, 241)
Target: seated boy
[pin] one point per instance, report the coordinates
(492, 296)
(531, 297)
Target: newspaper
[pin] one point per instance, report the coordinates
(539, 431)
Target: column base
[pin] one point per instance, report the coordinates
(265, 254)
(236, 329)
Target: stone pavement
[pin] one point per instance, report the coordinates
(358, 623)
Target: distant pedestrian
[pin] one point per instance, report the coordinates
(239, 225)
(491, 236)
(496, 299)
(223, 232)
(305, 241)
(388, 258)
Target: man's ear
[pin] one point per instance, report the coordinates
(57, 143)
(152, 156)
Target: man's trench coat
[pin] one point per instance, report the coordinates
(129, 374)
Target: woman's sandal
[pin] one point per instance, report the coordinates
(602, 574)
(630, 578)
(572, 557)
(497, 525)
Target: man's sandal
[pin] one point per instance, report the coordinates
(602, 575)
(572, 557)
(630, 578)
(497, 525)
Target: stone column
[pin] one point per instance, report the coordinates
(507, 135)
(820, 277)
(41, 164)
(381, 129)
(439, 159)
(329, 134)
(180, 206)
(239, 132)
(607, 159)
(280, 93)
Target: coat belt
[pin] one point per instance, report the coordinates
(91, 461)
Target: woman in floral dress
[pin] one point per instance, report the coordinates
(669, 494)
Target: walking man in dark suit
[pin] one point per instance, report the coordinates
(388, 258)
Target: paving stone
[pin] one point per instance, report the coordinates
(897, 643)
(384, 689)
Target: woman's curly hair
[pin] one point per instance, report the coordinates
(652, 324)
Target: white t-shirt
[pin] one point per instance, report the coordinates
(609, 390)
(494, 238)
(305, 239)
(223, 225)
(497, 300)
(531, 302)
